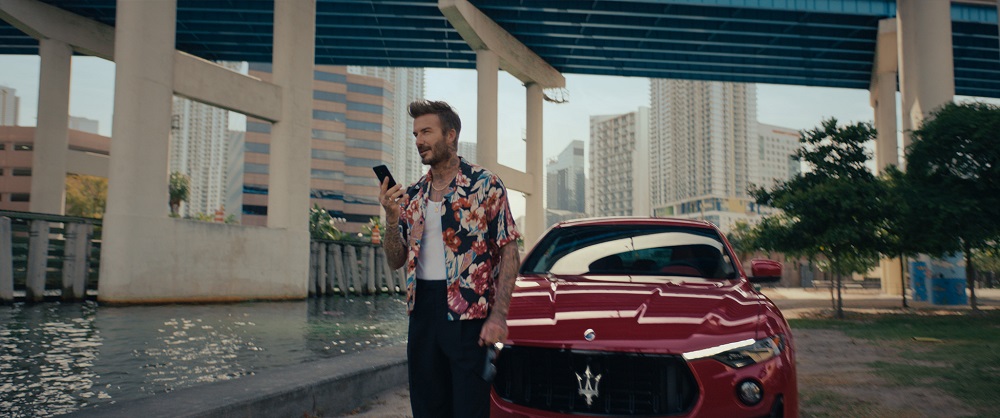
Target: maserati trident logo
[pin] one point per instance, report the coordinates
(588, 389)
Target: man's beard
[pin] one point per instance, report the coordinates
(436, 154)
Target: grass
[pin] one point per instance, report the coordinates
(965, 363)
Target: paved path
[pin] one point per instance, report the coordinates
(793, 302)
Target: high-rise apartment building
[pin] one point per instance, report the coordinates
(700, 152)
(9, 106)
(351, 133)
(199, 149)
(619, 165)
(565, 185)
(406, 85)
(774, 155)
(234, 175)
(466, 150)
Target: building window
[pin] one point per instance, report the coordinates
(20, 197)
(23, 147)
(365, 126)
(364, 89)
(21, 172)
(330, 97)
(257, 147)
(2, 145)
(333, 116)
(364, 107)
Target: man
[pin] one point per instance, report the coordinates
(454, 232)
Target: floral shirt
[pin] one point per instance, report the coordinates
(475, 224)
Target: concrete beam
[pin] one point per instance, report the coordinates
(43, 21)
(481, 32)
(513, 179)
(87, 163)
(194, 78)
(207, 82)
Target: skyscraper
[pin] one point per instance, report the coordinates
(773, 159)
(701, 134)
(9, 106)
(466, 150)
(619, 165)
(199, 148)
(565, 185)
(407, 85)
(352, 115)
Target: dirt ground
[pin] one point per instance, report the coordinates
(832, 369)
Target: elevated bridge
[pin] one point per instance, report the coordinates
(929, 50)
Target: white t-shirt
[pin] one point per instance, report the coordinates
(430, 262)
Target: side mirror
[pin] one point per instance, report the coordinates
(765, 271)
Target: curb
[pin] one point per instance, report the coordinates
(317, 388)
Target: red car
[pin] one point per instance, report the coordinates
(643, 317)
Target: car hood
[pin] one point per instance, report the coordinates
(650, 314)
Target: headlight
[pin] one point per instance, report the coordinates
(742, 353)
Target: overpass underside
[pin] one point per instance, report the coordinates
(148, 257)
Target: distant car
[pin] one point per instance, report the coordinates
(643, 317)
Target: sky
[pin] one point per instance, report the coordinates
(795, 107)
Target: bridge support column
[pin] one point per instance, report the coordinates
(535, 166)
(883, 99)
(48, 173)
(926, 64)
(148, 257)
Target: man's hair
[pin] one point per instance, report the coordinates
(449, 119)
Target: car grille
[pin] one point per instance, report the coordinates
(629, 384)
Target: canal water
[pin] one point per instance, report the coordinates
(57, 358)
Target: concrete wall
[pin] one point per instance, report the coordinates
(199, 262)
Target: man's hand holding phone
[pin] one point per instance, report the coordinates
(389, 194)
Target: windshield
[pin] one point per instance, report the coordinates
(631, 250)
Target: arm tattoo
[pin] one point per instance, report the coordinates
(395, 249)
(510, 262)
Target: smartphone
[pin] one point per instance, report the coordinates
(382, 172)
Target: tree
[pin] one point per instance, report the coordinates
(953, 165)
(743, 237)
(86, 196)
(833, 210)
(180, 188)
(321, 224)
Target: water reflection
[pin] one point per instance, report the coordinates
(57, 358)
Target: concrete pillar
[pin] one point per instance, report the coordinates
(926, 63)
(487, 69)
(353, 268)
(293, 59)
(6, 262)
(321, 270)
(144, 74)
(883, 100)
(75, 259)
(313, 267)
(137, 170)
(48, 168)
(38, 261)
(535, 166)
(339, 272)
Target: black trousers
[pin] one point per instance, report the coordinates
(445, 360)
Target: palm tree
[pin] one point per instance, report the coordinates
(180, 188)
